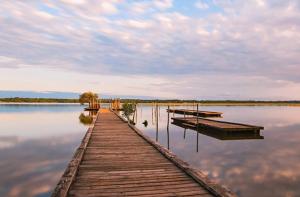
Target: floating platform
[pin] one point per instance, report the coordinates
(216, 125)
(224, 135)
(195, 112)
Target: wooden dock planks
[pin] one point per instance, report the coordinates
(195, 112)
(218, 125)
(115, 160)
(223, 135)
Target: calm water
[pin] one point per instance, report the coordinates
(37, 142)
(256, 167)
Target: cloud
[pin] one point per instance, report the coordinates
(163, 4)
(240, 38)
(74, 2)
(201, 5)
(36, 172)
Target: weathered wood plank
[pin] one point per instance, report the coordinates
(117, 161)
(218, 125)
(195, 112)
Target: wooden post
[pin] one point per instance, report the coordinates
(173, 110)
(159, 112)
(168, 134)
(136, 116)
(197, 141)
(197, 116)
(133, 119)
(156, 122)
(184, 133)
(168, 117)
(152, 113)
(197, 128)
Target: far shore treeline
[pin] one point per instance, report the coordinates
(208, 102)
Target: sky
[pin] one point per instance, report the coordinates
(182, 49)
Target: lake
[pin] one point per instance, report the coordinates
(36, 144)
(38, 141)
(256, 167)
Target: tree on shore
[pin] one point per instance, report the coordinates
(88, 97)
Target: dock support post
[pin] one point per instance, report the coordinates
(197, 141)
(136, 115)
(197, 116)
(168, 134)
(156, 114)
(168, 117)
(173, 110)
(159, 112)
(152, 114)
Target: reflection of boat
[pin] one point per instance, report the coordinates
(195, 112)
(223, 134)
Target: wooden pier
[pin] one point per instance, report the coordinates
(216, 125)
(116, 159)
(195, 112)
(223, 135)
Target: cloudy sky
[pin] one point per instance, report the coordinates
(204, 49)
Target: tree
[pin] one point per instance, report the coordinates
(128, 110)
(87, 97)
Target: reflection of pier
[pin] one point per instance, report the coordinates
(222, 134)
(195, 112)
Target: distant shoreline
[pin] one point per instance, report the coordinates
(150, 102)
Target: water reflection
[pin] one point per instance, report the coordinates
(223, 135)
(36, 144)
(33, 167)
(217, 134)
(87, 119)
(250, 167)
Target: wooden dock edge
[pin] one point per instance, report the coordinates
(63, 186)
(213, 187)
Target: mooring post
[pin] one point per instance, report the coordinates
(197, 141)
(136, 115)
(184, 132)
(168, 134)
(174, 110)
(156, 122)
(197, 127)
(197, 115)
(158, 111)
(168, 117)
(152, 114)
